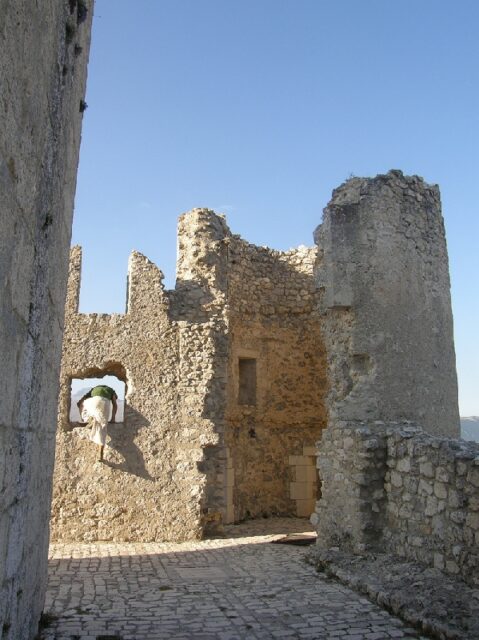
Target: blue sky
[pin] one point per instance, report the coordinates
(259, 109)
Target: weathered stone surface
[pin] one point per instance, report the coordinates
(235, 588)
(387, 329)
(43, 57)
(189, 453)
(273, 318)
(232, 377)
(383, 504)
(362, 304)
(432, 601)
(387, 310)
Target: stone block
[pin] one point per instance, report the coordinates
(305, 507)
(473, 503)
(442, 475)
(431, 506)
(472, 520)
(454, 501)
(348, 443)
(439, 561)
(458, 516)
(440, 490)
(404, 465)
(425, 488)
(301, 490)
(306, 474)
(473, 476)
(452, 566)
(426, 469)
(299, 461)
(396, 479)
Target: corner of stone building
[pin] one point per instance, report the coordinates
(199, 302)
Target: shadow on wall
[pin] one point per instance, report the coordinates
(190, 300)
(122, 440)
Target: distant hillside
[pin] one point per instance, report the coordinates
(470, 428)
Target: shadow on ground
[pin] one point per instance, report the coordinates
(219, 589)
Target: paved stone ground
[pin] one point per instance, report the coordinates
(223, 589)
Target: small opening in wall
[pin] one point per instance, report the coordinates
(80, 386)
(247, 381)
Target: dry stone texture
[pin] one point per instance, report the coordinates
(274, 319)
(43, 57)
(403, 491)
(232, 377)
(390, 481)
(188, 453)
(387, 307)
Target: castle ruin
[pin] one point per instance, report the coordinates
(261, 360)
(226, 386)
(258, 366)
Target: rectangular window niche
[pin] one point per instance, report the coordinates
(247, 381)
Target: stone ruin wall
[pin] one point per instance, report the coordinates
(387, 483)
(355, 333)
(274, 319)
(384, 304)
(43, 58)
(164, 348)
(432, 494)
(185, 453)
(403, 491)
(386, 307)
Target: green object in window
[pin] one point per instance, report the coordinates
(104, 391)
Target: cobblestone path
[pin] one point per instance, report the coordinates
(223, 589)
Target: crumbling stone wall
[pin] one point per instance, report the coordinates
(167, 349)
(187, 453)
(352, 464)
(387, 317)
(43, 58)
(432, 501)
(386, 484)
(274, 319)
(232, 377)
(401, 490)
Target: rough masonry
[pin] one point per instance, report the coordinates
(43, 58)
(391, 480)
(233, 376)
(226, 380)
